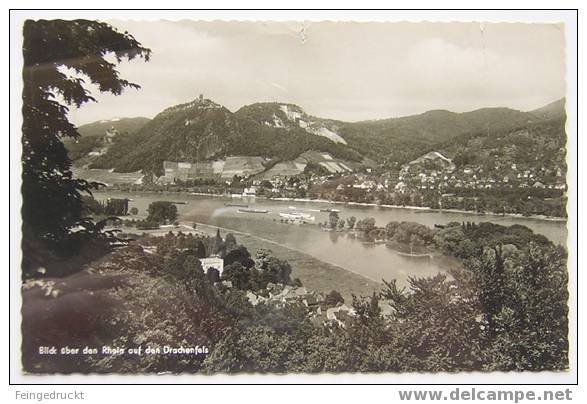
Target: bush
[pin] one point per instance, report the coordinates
(297, 282)
(237, 274)
(162, 212)
(333, 298)
(90, 206)
(147, 225)
(116, 206)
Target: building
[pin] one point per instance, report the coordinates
(110, 135)
(212, 262)
(252, 192)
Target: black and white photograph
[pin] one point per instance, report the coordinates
(292, 197)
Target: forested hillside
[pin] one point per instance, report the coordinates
(203, 130)
(92, 134)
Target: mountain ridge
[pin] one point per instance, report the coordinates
(202, 129)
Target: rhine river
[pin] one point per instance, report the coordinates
(372, 261)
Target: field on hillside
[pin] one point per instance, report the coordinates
(105, 176)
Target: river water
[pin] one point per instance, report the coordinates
(372, 261)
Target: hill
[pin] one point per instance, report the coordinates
(553, 110)
(403, 139)
(284, 131)
(204, 130)
(93, 135)
(538, 144)
(200, 129)
(122, 125)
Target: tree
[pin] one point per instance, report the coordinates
(213, 275)
(491, 282)
(365, 225)
(237, 274)
(333, 298)
(254, 349)
(276, 271)
(218, 243)
(230, 242)
(266, 184)
(528, 318)
(240, 255)
(350, 222)
(333, 219)
(58, 55)
(134, 211)
(390, 229)
(161, 212)
(90, 206)
(195, 245)
(183, 265)
(116, 206)
(367, 327)
(297, 282)
(437, 323)
(452, 241)
(271, 269)
(315, 169)
(462, 158)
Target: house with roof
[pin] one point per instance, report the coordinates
(212, 262)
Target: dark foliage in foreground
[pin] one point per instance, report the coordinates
(505, 310)
(52, 205)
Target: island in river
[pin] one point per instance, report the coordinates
(325, 260)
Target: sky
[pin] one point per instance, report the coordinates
(340, 70)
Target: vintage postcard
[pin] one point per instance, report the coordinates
(275, 197)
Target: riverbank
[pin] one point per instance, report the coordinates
(365, 204)
(423, 208)
(316, 275)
